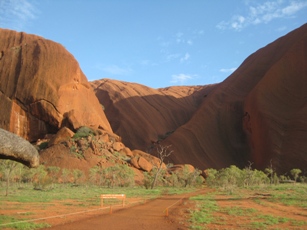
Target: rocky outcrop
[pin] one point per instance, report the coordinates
(142, 115)
(93, 150)
(42, 88)
(15, 148)
(257, 114)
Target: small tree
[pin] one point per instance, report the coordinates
(94, 177)
(77, 173)
(117, 175)
(8, 167)
(270, 172)
(230, 178)
(41, 178)
(295, 173)
(174, 178)
(163, 152)
(66, 173)
(52, 173)
(248, 175)
(211, 177)
(27, 174)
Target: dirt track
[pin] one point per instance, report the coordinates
(150, 215)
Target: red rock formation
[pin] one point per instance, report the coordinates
(257, 114)
(42, 88)
(142, 115)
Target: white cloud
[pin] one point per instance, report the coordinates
(15, 14)
(282, 28)
(229, 70)
(293, 8)
(170, 57)
(185, 57)
(116, 70)
(180, 78)
(179, 38)
(146, 62)
(190, 42)
(200, 32)
(263, 13)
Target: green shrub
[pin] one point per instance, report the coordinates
(41, 181)
(232, 177)
(84, 131)
(114, 176)
(43, 145)
(295, 173)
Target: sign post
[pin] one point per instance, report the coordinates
(113, 196)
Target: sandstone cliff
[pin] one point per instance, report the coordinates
(257, 114)
(143, 116)
(42, 88)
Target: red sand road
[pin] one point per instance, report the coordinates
(148, 216)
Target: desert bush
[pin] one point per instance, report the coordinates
(96, 175)
(174, 179)
(303, 179)
(53, 172)
(187, 178)
(211, 177)
(199, 181)
(84, 131)
(232, 177)
(148, 179)
(77, 174)
(27, 174)
(295, 173)
(119, 175)
(160, 178)
(41, 180)
(260, 178)
(66, 174)
(43, 145)
(114, 176)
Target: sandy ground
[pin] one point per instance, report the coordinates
(151, 214)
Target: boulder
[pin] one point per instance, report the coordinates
(135, 162)
(155, 161)
(144, 164)
(105, 138)
(127, 152)
(118, 146)
(181, 167)
(15, 148)
(62, 135)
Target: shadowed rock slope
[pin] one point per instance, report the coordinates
(258, 114)
(143, 116)
(42, 88)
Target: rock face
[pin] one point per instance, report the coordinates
(142, 115)
(18, 149)
(42, 88)
(257, 114)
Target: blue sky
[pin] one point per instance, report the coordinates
(157, 43)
